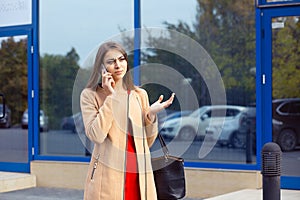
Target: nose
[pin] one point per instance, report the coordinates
(117, 63)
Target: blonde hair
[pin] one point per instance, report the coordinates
(93, 81)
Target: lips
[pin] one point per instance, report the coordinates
(119, 72)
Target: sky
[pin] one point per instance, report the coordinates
(75, 23)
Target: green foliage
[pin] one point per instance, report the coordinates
(285, 61)
(57, 76)
(13, 76)
(226, 30)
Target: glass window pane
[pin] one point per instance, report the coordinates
(285, 91)
(66, 41)
(13, 88)
(207, 57)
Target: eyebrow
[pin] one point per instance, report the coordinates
(113, 59)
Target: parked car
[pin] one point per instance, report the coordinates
(43, 120)
(207, 117)
(248, 127)
(6, 120)
(286, 123)
(233, 132)
(68, 123)
(75, 124)
(173, 115)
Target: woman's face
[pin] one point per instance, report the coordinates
(115, 63)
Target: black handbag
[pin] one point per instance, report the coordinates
(168, 174)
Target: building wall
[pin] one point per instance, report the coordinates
(201, 183)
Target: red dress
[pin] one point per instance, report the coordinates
(132, 188)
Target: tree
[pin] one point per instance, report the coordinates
(285, 61)
(226, 29)
(57, 78)
(13, 76)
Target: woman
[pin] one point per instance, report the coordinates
(118, 119)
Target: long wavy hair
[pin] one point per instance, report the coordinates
(96, 75)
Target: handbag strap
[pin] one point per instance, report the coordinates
(163, 145)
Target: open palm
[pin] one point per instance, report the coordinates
(159, 105)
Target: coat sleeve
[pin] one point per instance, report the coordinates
(97, 121)
(151, 127)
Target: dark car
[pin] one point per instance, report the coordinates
(248, 127)
(73, 123)
(286, 123)
(6, 120)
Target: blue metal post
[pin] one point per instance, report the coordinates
(137, 42)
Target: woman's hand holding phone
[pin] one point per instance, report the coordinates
(107, 80)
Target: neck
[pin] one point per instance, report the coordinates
(119, 86)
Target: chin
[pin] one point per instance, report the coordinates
(117, 78)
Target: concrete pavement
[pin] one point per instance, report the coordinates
(252, 194)
(40, 193)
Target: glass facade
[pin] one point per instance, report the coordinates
(204, 51)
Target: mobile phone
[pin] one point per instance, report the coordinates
(103, 69)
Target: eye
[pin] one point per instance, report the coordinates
(110, 62)
(122, 58)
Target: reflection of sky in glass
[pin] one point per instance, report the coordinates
(155, 12)
(66, 24)
(16, 38)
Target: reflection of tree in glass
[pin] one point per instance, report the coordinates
(226, 29)
(57, 75)
(286, 60)
(13, 76)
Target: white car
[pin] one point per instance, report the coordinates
(232, 132)
(43, 120)
(222, 119)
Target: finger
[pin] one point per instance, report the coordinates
(161, 97)
(112, 82)
(172, 97)
(170, 100)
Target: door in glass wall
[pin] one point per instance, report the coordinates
(14, 117)
(286, 92)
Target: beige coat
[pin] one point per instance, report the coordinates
(105, 119)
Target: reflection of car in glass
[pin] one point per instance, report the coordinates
(43, 120)
(286, 123)
(196, 124)
(231, 131)
(248, 126)
(5, 121)
(75, 124)
(173, 115)
(68, 123)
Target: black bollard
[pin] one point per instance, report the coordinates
(271, 171)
